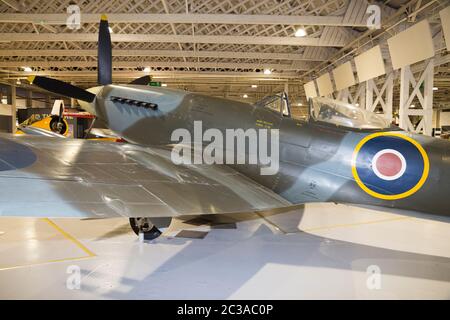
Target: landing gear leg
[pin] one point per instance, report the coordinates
(146, 227)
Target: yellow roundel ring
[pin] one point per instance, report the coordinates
(426, 166)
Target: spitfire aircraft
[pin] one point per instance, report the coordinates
(340, 153)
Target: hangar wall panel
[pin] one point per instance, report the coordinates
(444, 119)
(370, 64)
(310, 90)
(5, 110)
(325, 85)
(445, 21)
(412, 45)
(343, 76)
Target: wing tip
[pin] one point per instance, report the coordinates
(31, 79)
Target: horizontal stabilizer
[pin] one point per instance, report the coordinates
(145, 80)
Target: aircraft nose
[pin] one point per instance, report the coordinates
(89, 107)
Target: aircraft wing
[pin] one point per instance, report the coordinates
(40, 132)
(50, 177)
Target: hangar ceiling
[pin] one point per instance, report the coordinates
(202, 46)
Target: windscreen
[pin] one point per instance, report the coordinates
(277, 102)
(346, 115)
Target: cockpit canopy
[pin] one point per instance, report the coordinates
(344, 114)
(328, 110)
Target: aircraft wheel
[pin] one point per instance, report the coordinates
(58, 126)
(145, 226)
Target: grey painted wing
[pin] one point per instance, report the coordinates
(51, 177)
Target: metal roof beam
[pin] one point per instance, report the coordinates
(170, 38)
(60, 19)
(161, 53)
(137, 64)
(16, 5)
(259, 76)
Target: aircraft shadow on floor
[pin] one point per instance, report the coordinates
(219, 265)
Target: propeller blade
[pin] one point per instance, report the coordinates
(145, 80)
(62, 88)
(104, 55)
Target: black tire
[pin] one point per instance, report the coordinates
(150, 233)
(54, 125)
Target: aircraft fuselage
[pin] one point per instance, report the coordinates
(318, 162)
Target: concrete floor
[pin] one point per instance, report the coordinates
(318, 251)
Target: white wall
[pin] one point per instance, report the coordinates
(444, 119)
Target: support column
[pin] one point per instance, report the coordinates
(438, 118)
(29, 101)
(13, 110)
(383, 97)
(343, 95)
(370, 84)
(73, 102)
(403, 119)
(357, 98)
(12, 103)
(425, 108)
(428, 99)
(286, 89)
(226, 91)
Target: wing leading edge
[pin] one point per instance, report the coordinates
(50, 177)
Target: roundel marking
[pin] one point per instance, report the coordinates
(390, 165)
(14, 156)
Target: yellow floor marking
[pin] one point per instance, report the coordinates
(66, 235)
(44, 262)
(336, 226)
(70, 237)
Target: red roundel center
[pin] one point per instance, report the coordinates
(389, 164)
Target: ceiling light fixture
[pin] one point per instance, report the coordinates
(435, 89)
(267, 71)
(254, 86)
(301, 32)
(163, 84)
(147, 69)
(245, 96)
(27, 69)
